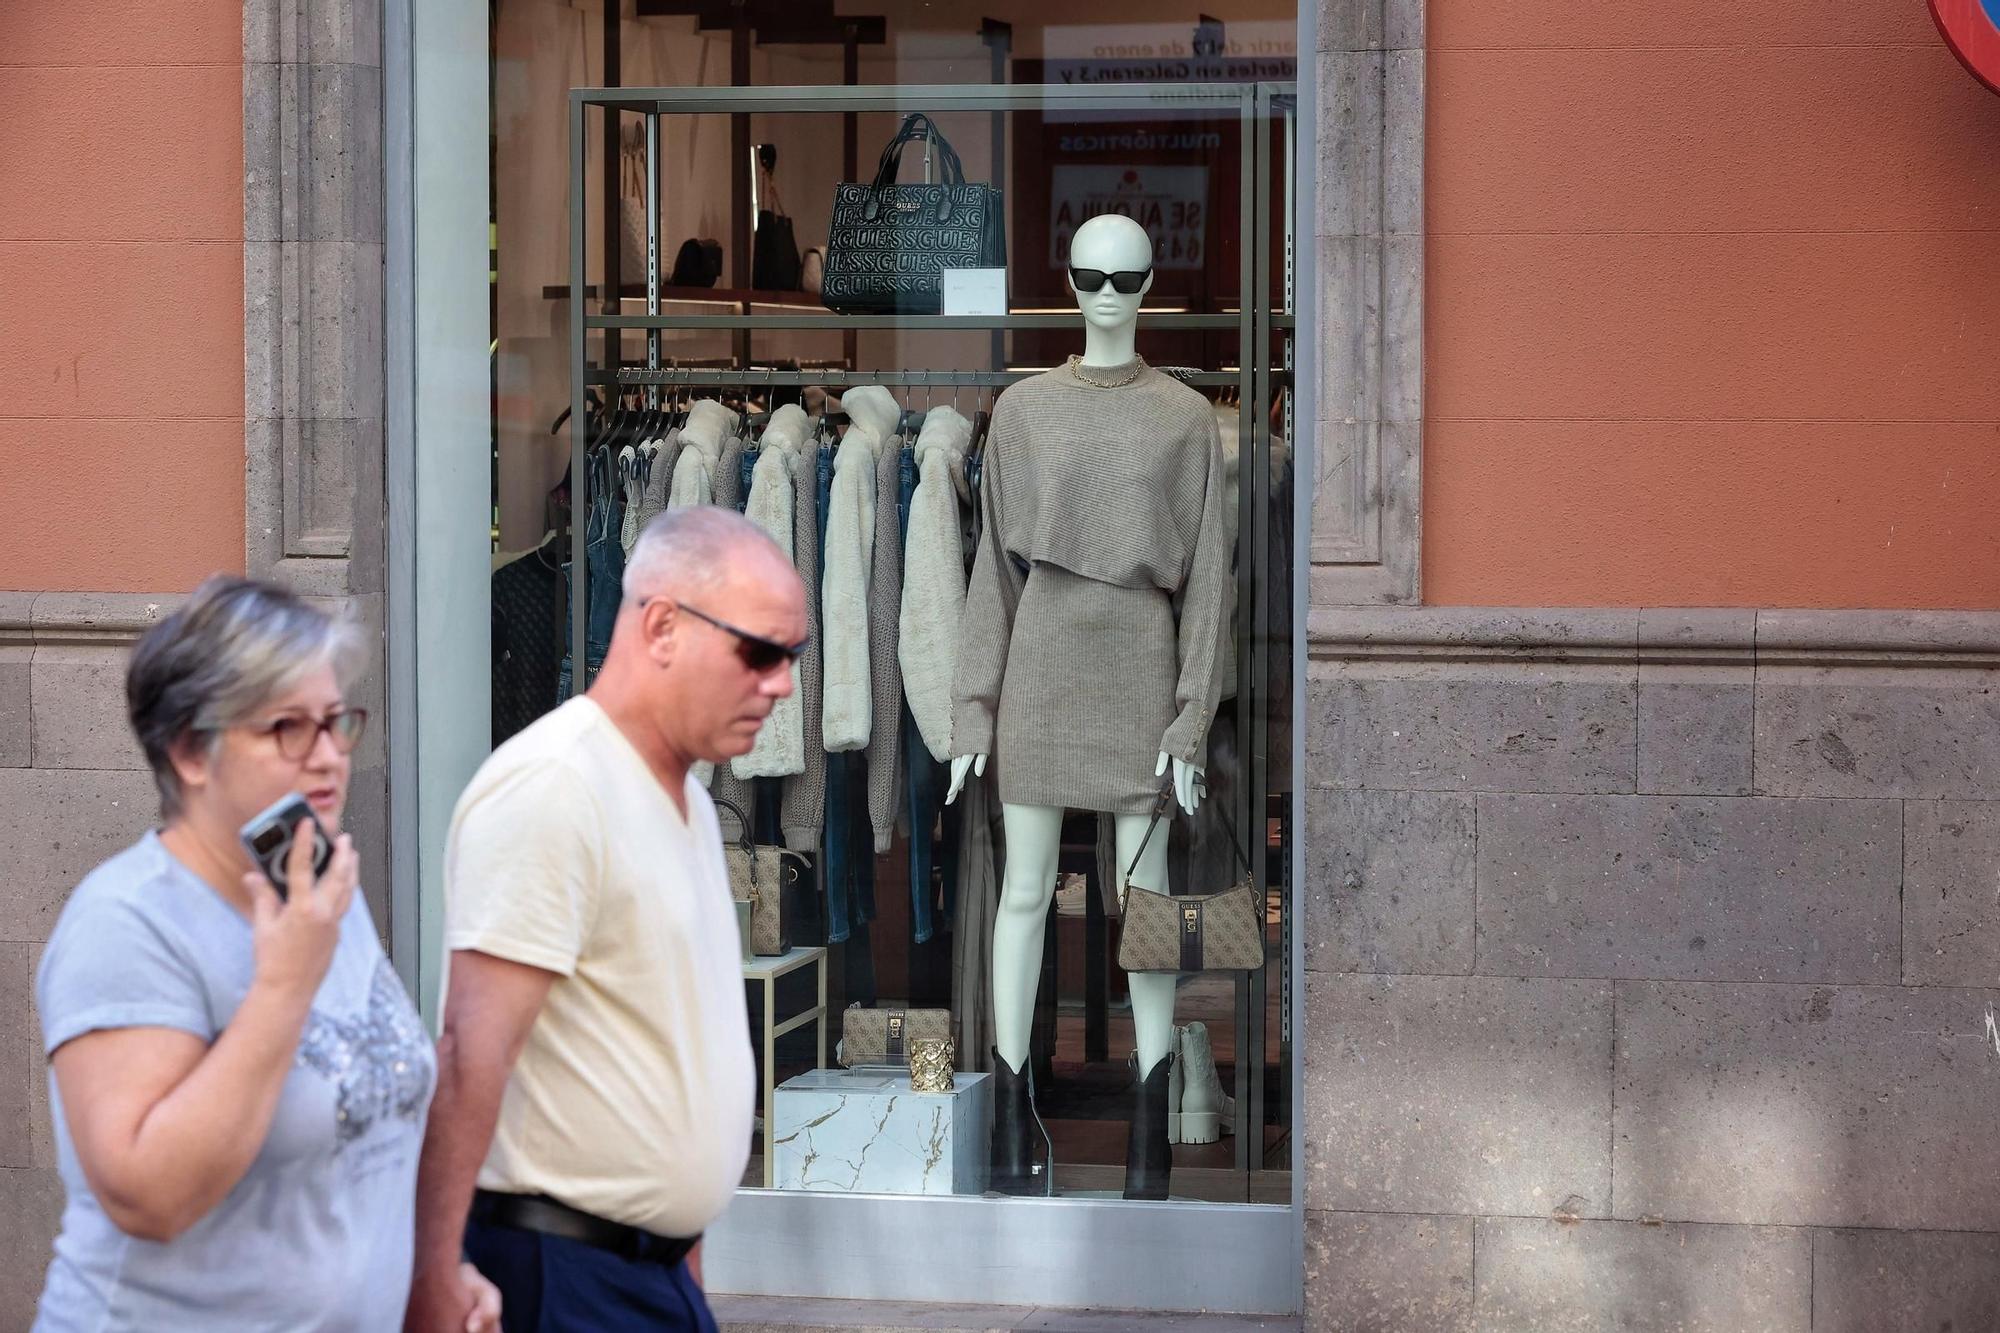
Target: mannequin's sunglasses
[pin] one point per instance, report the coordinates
(758, 653)
(1125, 282)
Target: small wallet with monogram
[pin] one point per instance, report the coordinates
(883, 1036)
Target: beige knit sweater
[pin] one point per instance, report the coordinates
(1120, 485)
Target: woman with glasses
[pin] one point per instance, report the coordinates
(238, 1082)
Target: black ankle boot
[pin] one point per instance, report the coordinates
(1013, 1159)
(1149, 1158)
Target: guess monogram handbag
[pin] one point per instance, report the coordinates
(1215, 932)
(763, 876)
(889, 243)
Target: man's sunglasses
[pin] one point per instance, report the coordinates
(759, 654)
(1126, 282)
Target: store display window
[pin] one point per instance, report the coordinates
(989, 325)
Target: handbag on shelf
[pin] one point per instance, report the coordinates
(763, 876)
(632, 208)
(1214, 932)
(888, 244)
(774, 251)
(698, 263)
(883, 1036)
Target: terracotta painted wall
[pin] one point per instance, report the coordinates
(1713, 302)
(121, 293)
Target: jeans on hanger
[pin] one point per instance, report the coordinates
(920, 789)
(919, 767)
(746, 465)
(604, 575)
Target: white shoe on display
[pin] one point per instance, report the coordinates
(1199, 1110)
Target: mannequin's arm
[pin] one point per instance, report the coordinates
(1204, 628)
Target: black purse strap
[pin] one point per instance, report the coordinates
(917, 125)
(749, 843)
(1160, 808)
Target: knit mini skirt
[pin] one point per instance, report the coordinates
(1087, 696)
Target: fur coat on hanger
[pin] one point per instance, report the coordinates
(780, 748)
(706, 435)
(934, 577)
(847, 690)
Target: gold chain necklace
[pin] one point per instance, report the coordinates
(1076, 369)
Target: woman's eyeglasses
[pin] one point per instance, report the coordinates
(760, 654)
(296, 734)
(1126, 282)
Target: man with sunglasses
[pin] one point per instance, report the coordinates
(596, 1084)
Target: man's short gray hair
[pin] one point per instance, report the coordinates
(686, 552)
(236, 645)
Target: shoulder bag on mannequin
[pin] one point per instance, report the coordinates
(1213, 932)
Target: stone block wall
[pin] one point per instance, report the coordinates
(1652, 970)
(73, 790)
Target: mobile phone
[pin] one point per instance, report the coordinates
(268, 839)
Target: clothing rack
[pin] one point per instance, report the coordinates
(703, 377)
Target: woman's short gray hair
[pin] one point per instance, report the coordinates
(236, 645)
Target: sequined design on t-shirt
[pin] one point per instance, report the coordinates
(378, 1061)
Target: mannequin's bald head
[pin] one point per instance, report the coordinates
(1112, 242)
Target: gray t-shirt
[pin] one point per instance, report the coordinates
(317, 1234)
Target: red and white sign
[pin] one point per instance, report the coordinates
(1971, 29)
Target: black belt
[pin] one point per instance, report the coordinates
(538, 1212)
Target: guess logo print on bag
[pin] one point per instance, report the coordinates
(888, 244)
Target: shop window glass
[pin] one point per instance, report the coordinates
(1049, 541)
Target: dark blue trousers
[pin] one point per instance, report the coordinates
(552, 1285)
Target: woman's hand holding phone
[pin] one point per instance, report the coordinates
(294, 936)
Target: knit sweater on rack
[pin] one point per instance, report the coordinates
(934, 577)
(780, 747)
(661, 478)
(1122, 486)
(885, 673)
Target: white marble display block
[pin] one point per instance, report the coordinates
(862, 1131)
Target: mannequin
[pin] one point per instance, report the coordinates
(1111, 244)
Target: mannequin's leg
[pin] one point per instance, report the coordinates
(1152, 992)
(1034, 835)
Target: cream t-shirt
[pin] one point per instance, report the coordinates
(634, 1095)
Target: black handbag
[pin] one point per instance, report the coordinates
(774, 252)
(774, 258)
(698, 264)
(889, 243)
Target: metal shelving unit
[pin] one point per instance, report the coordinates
(1256, 372)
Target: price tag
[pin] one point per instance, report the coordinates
(973, 291)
